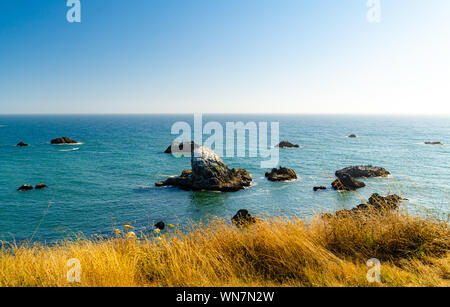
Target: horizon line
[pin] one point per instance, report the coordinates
(225, 113)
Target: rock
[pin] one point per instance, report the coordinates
(347, 183)
(352, 136)
(160, 225)
(25, 187)
(180, 148)
(242, 218)
(286, 144)
(378, 202)
(375, 203)
(22, 144)
(209, 173)
(281, 174)
(319, 188)
(63, 140)
(363, 171)
(434, 143)
(41, 186)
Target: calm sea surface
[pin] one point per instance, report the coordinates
(108, 180)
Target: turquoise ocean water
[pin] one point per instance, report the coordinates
(108, 179)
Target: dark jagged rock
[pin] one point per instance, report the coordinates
(434, 143)
(22, 144)
(281, 174)
(375, 203)
(180, 148)
(25, 187)
(319, 188)
(379, 202)
(242, 218)
(41, 186)
(347, 183)
(286, 144)
(63, 140)
(160, 225)
(363, 171)
(352, 136)
(209, 173)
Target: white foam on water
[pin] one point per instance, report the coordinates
(68, 150)
(71, 144)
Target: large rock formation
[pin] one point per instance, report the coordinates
(180, 148)
(209, 173)
(346, 182)
(363, 171)
(63, 140)
(286, 144)
(281, 174)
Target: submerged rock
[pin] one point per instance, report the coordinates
(352, 136)
(41, 186)
(319, 188)
(22, 144)
(209, 173)
(180, 148)
(25, 187)
(286, 144)
(242, 218)
(363, 171)
(347, 183)
(63, 140)
(434, 143)
(281, 174)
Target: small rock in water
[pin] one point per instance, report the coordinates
(281, 174)
(347, 183)
(63, 140)
(22, 144)
(286, 144)
(41, 186)
(319, 188)
(160, 225)
(243, 217)
(352, 136)
(180, 148)
(434, 143)
(25, 187)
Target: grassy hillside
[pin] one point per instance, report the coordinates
(326, 251)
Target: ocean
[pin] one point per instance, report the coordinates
(108, 178)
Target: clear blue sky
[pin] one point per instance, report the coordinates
(224, 56)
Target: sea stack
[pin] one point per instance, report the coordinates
(209, 173)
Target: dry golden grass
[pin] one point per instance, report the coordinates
(328, 251)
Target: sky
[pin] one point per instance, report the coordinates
(225, 56)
